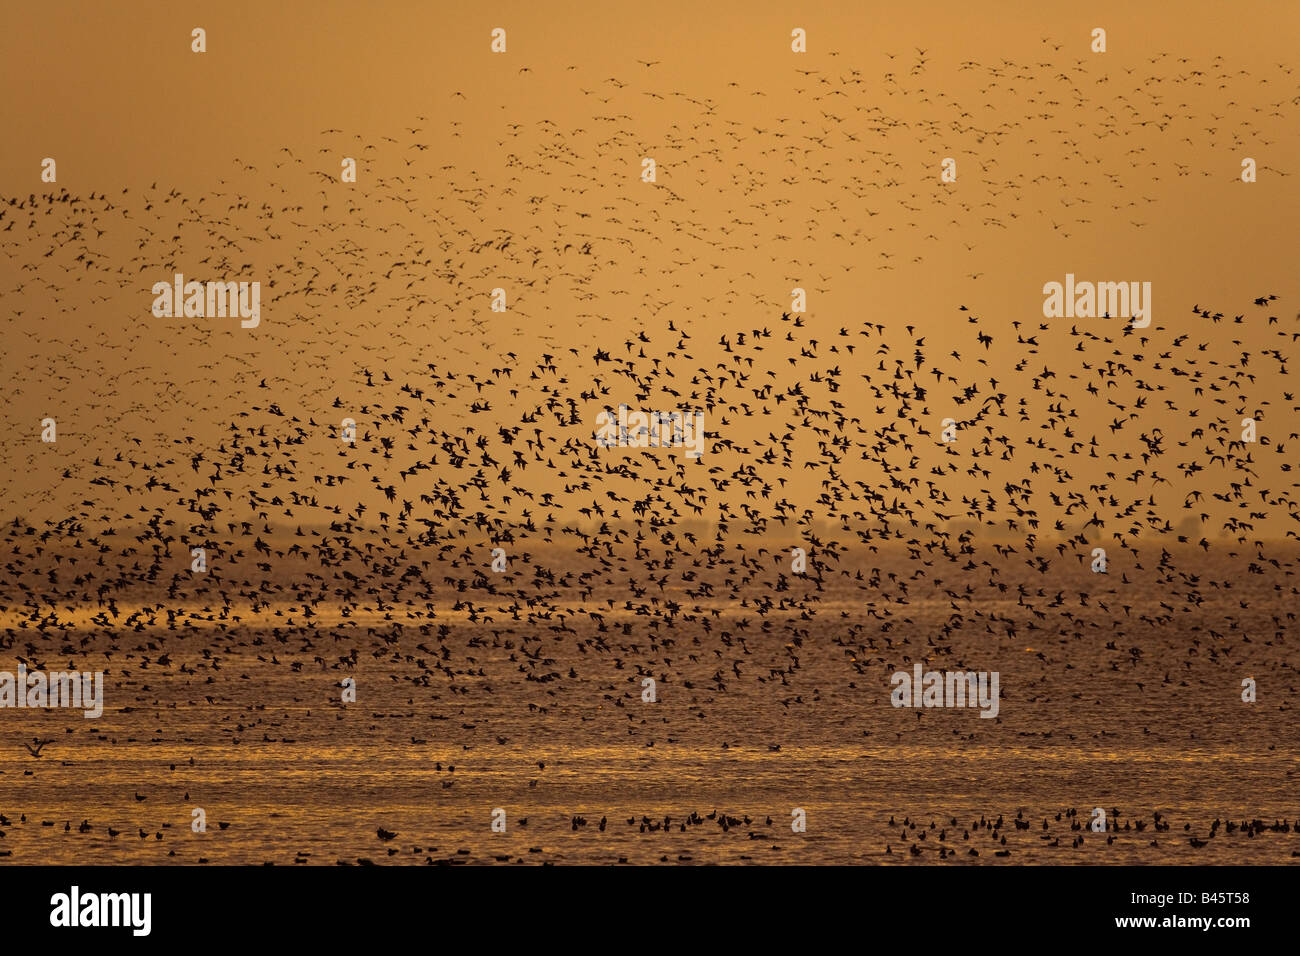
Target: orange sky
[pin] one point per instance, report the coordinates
(116, 96)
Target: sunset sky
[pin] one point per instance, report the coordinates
(1047, 185)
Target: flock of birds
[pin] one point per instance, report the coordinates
(953, 841)
(372, 561)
